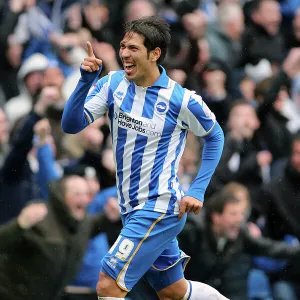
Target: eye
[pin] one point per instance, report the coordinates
(133, 49)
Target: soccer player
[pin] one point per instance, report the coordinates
(150, 116)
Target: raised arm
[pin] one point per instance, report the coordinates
(75, 117)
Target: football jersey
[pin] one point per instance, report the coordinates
(149, 126)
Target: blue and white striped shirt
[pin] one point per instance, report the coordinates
(149, 128)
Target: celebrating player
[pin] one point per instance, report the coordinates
(150, 115)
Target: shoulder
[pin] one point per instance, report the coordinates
(111, 77)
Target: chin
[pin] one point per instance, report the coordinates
(233, 235)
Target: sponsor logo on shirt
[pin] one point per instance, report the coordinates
(142, 127)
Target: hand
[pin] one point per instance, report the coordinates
(254, 230)
(189, 204)
(43, 130)
(16, 6)
(91, 63)
(112, 209)
(49, 96)
(264, 158)
(32, 214)
(291, 65)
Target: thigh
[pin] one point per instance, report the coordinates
(145, 236)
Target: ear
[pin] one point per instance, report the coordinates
(155, 54)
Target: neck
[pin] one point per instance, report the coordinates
(150, 78)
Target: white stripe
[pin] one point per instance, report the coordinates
(123, 86)
(162, 202)
(149, 155)
(136, 112)
(121, 280)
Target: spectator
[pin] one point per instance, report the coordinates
(42, 249)
(17, 179)
(30, 77)
(224, 38)
(221, 245)
(262, 39)
(243, 159)
(280, 202)
(11, 51)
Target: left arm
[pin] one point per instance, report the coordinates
(211, 154)
(203, 123)
(267, 247)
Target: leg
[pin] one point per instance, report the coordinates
(107, 287)
(136, 249)
(169, 282)
(193, 291)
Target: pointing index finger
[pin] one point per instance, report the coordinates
(90, 49)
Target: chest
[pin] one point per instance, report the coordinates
(149, 112)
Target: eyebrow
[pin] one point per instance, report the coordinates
(129, 45)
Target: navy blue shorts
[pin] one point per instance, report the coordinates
(147, 247)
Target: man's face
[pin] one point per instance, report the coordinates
(53, 76)
(296, 155)
(269, 16)
(77, 196)
(229, 222)
(34, 82)
(3, 128)
(135, 58)
(243, 121)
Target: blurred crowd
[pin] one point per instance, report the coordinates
(58, 198)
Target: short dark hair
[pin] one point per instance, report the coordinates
(155, 31)
(226, 196)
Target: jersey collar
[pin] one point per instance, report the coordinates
(163, 79)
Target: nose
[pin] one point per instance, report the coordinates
(124, 53)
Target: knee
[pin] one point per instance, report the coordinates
(107, 287)
(175, 291)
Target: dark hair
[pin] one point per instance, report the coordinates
(155, 31)
(256, 4)
(227, 195)
(238, 102)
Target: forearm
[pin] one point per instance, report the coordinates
(211, 155)
(21, 145)
(47, 171)
(74, 119)
(267, 247)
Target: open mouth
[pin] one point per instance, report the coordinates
(129, 68)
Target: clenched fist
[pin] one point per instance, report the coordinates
(91, 63)
(32, 214)
(189, 204)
